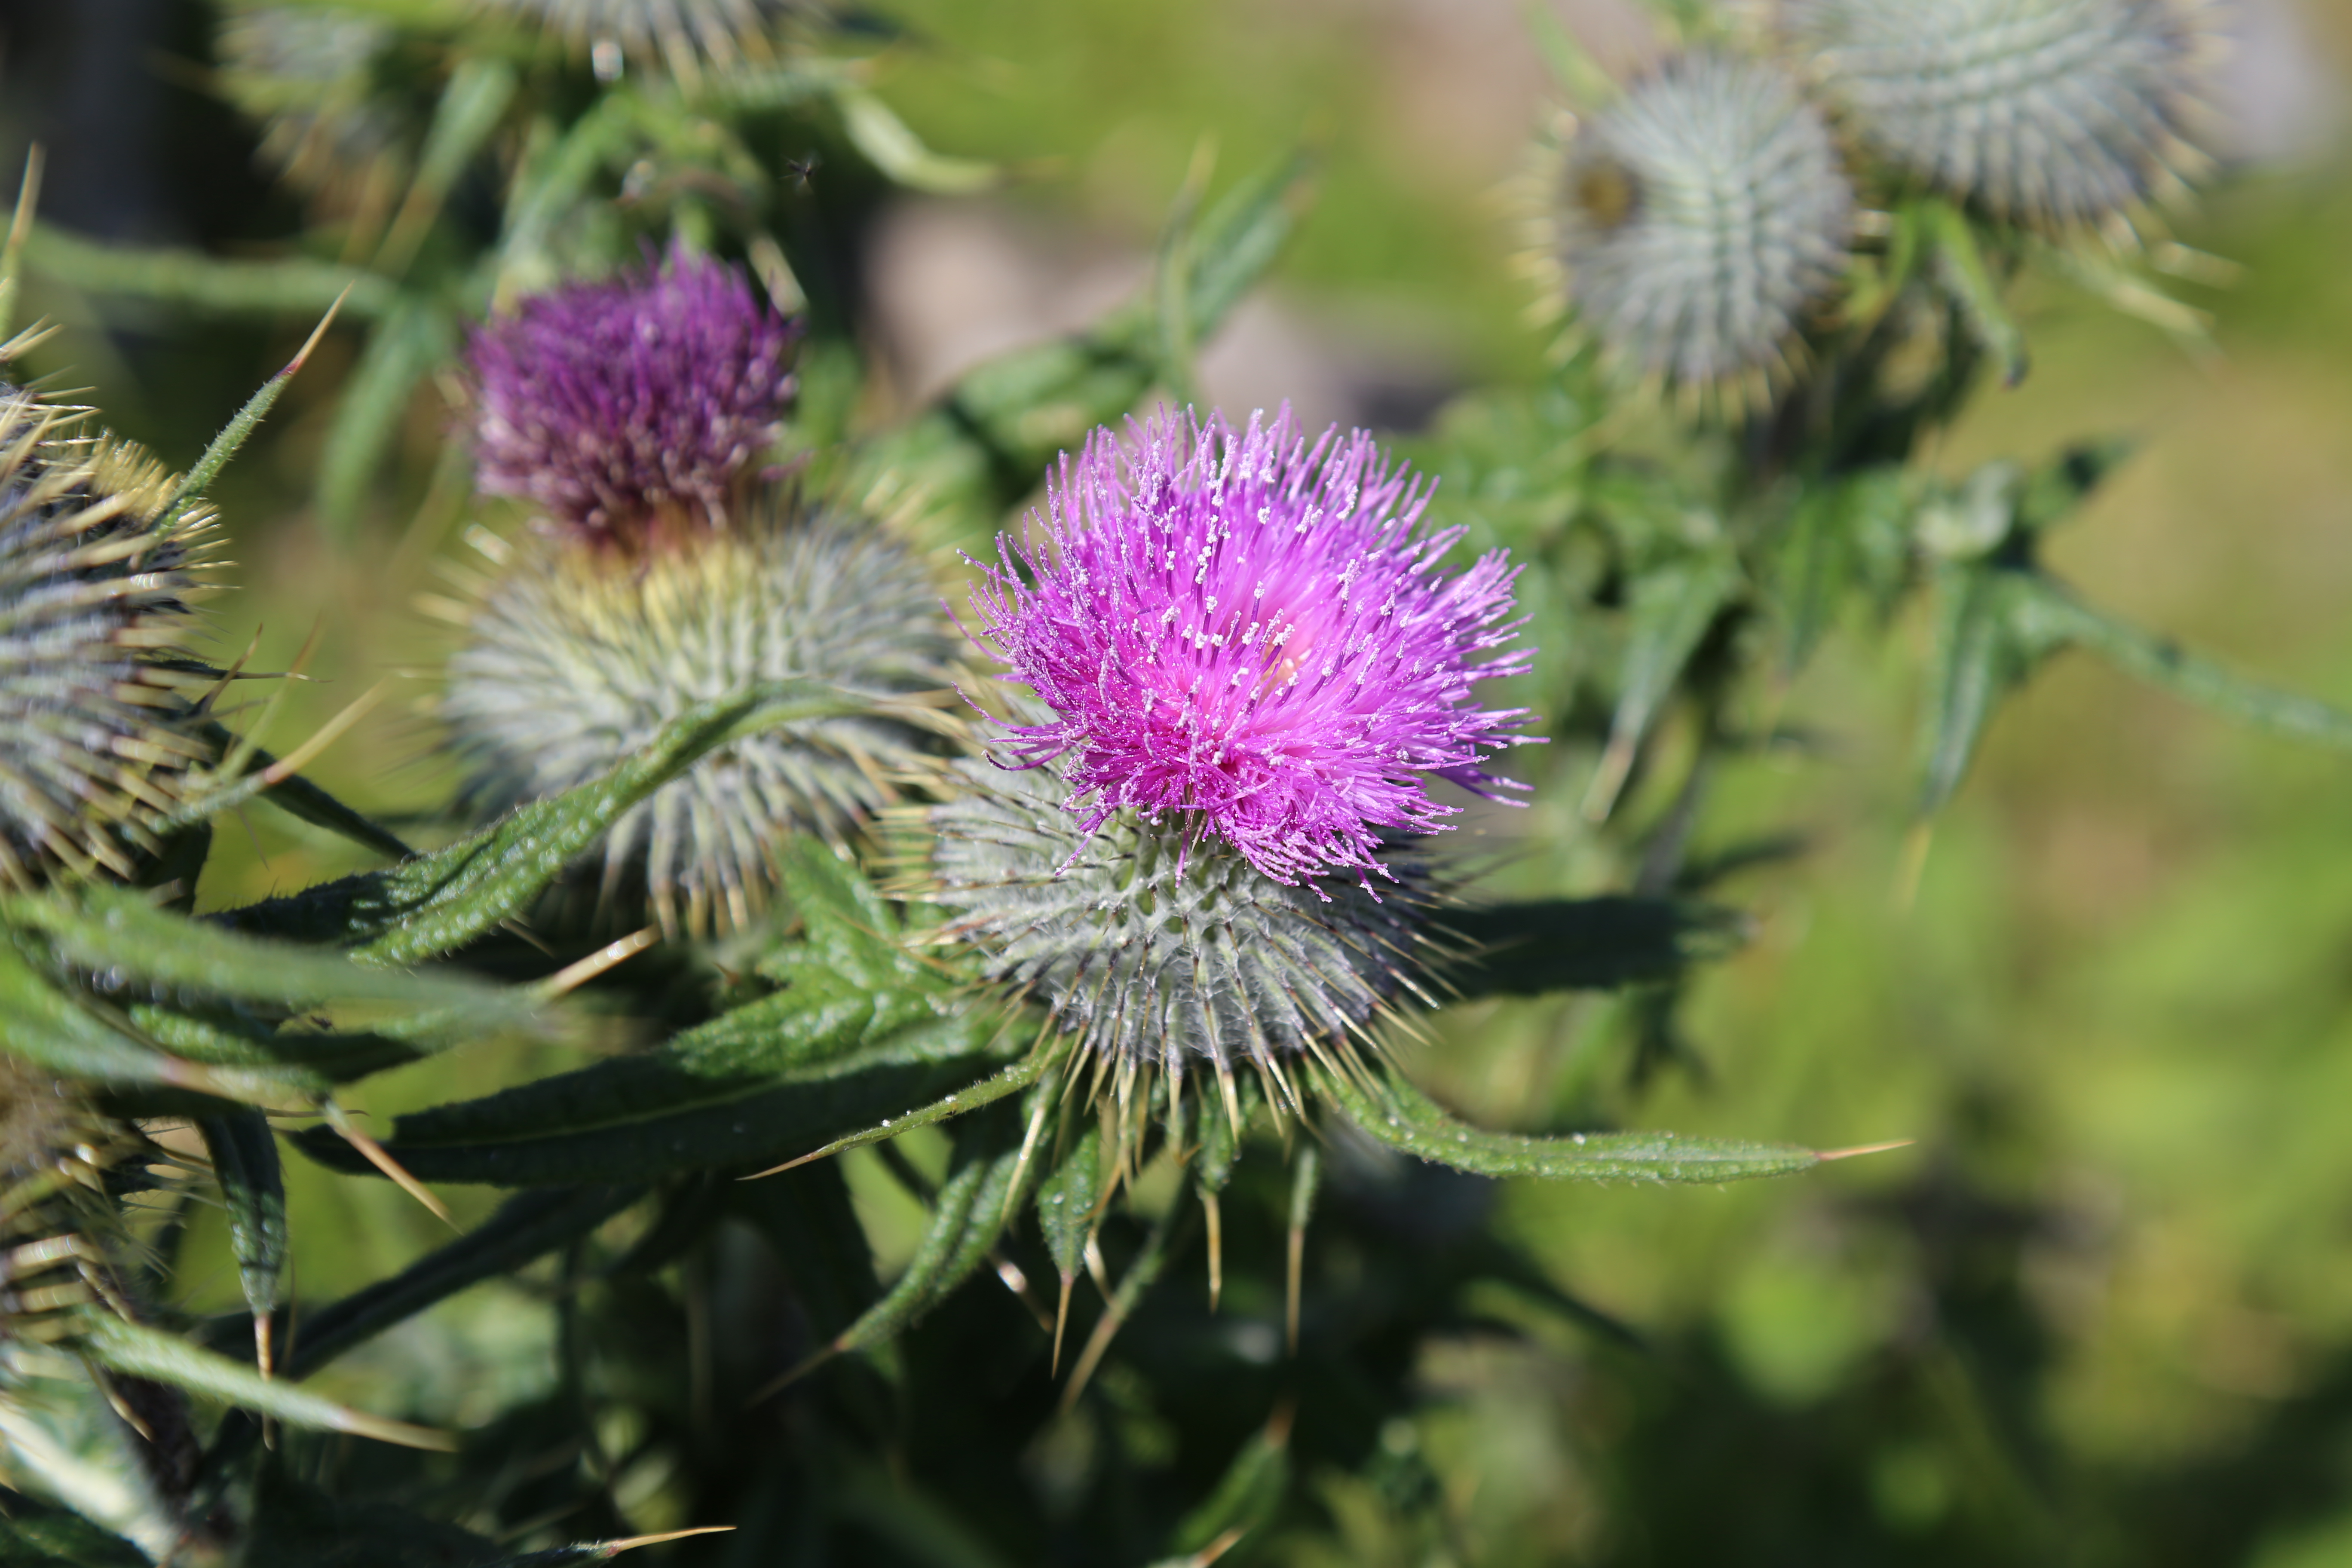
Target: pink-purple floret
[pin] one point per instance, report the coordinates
(609, 404)
(1253, 631)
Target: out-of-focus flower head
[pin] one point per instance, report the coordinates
(682, 35)
(1696, 221)
(1246, 634)
(95, 683)
(2053, 112)
(616, 406)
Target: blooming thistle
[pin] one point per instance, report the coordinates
(613, 405)
(1692, 225)
(580, 653)
(2057, 113)
(681, 34)
(95, 588)
(1246, 668)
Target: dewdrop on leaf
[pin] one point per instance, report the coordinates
(95, 686)
(2057, 114)
(1697, 221)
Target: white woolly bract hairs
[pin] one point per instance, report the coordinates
(96, 684)
(579, 652)
(1159, 952)
(2058, 114)
(1692, 229)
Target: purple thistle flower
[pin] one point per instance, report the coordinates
(1252, 631)
(612, 403)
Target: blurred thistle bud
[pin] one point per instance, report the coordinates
(63, 1168)
(579, 653)
(308, 76)
(1696, 221)
(682, 35)
(2051, 113)
(616, 406)
(1246, 668)
(95, 589)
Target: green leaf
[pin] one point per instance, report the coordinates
(34, 1535)
(1584, 945)
(416, 336)
(1967, 277)
(526, 1226)
(1067, 1202)
(298, 797)
(116, 931)
(135, 1350)
(1668, 611)
(244, 1153)
(174, 276)
(1396, 1113)
(1978, 658)
(878, 133)
(1843, 535)
(438, 902)
(966, 1220)
(1246, 1496)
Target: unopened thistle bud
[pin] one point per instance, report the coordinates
(94, 616)
(616, 406)
(1247, 668)
(580, 653)
(308, 76)
(681, 34)
(2053, 112)
(1698, 220)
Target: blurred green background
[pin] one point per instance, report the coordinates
(2101, 1309)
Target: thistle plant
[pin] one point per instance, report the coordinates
(98, 572)
(1697, 224)
(1123, 971)
(664, 572)
(2057, 113)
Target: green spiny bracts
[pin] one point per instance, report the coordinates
(307, 77)
(682, 35)
(1697, 221)
(2051, 113)
(1160, 947)
(62, 1230)
(581, 651)
(94, 685)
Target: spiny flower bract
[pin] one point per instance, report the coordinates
(613, 405)
(2058, 112)
(681, 34)
(1248, 634)
(1153, 950)
(94, 612)
(579, 654)
(1698, 219)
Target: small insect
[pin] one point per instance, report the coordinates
(802, 170)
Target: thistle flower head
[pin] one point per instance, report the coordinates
(1154, 950)
(1248, 635)
(614, 404)
(2056, 112)
(94, 592)
(578, 654)
(1698, 220)
(682, 35)
(60, 1227)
